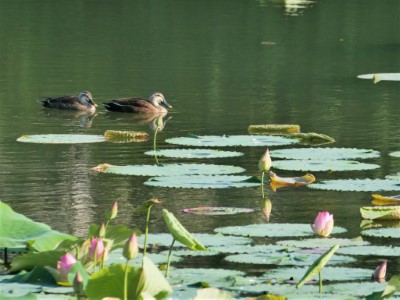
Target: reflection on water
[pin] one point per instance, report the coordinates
(292, 7)
(79, 118)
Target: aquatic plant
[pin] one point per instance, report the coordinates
(323, 224)
(264, 165)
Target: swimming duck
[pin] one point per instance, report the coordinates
(84, 102)
(155, 104)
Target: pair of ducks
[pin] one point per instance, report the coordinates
(84, 102)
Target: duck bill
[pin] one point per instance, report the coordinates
(166, 105)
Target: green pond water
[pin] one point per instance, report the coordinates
(222, 65)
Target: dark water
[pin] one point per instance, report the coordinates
(223, 65)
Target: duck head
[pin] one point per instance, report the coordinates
(158, 100)
(86, 98)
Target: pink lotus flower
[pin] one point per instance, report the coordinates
(64, 265)
(265, 162)
(323, 224)
(131, 248)
(97, 249)
(380, 271)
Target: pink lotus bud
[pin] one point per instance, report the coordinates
(114, 210)
(265, 162)
(131, 248)
(323, 224)
(97, 249)
(102, 230)
(380, 271)
(64, 265)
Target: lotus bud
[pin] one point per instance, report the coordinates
(97, 249)
(64, 265)
(131, 248)
(265, 162)
(380, 271)
(266, 208)
(114, 211)
(160, 122)
(102, 231)
(78, 284)
(323, 224)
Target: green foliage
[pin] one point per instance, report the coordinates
(118, 233)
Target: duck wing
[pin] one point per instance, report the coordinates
(64, 102)
(134, 105)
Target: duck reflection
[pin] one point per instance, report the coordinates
(81, 118)
(149, 120)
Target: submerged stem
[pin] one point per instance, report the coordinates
(126, 281)
(169, 258)
(154, 145)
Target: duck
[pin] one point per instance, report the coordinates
(154, 105)
(84, 102)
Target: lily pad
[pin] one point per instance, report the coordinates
(385, 200)
(394, 177)
(322, 165)
(312, 138)
(371, 250)
(120, 136)
(216, 210)
(382, 232)
(380, 212)
(272, 230)
(61, 138)
(395, 154)
(274, 129)
(324, 153)
(376, 77)
(285, 259)
(247, 248)
(323, 243)
(203, 181)
(194, 153)
(231, 140)
(168, 169)
(357, 185)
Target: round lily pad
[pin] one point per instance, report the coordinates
(395, 154)
(272, 230)
(323, 243)
(322, 165)
(61, 138)
(216, 210)
(285, 259)
(381, 76)
(382, 232)
(324, 153)
(194, 153)
(371, 250)
(247, 248)
(168, 169)
(203, 181)
(231, 140)
(357, 185)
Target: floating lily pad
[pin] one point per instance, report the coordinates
(285, 259)
(385, 200)
(247, 248)
(357, 185)
(312, 138)
(382, 232)
(168, 169)
(323, 243)
(370, 250)
(395, 154)
(194, 153)
(216, 210)
(329, 273)
(121, 136)
(322, 165)
(203, 181)
(380, 212)
(232, 140)
(272, 230)
(381, 76)
(61, 138)
(394, 177)
(324, 153)
(274, 129)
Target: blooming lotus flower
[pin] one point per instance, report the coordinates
(380, 271)
(97, 249)
(265, 162)
(323, 224)
(131, 248)
(64, 265)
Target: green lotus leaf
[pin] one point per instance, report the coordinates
(216, 210)
(18, 230)
(395, 154)
(370, 250)
(284, 259)
(357, 185)
(380, 212)
(194, 153)
(322, 165)
(121, 136)
(209, 240)
(180, 233)
(36, 259)
(323, 243)
(61, 138)
(247, 248)
(232, 141)
(312, 138)
(168, 169)
(204, 181)
(317, 266)
(381, 76)
(282, 275)
(324, 153)
(181, 253)
(272, 230)
(392, 287)
(382, 232)
(213, 293)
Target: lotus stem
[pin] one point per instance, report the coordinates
(169, 258)
(320, 282)
(154, 145)
(262, 184)
(126, 280)
(147, 230)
